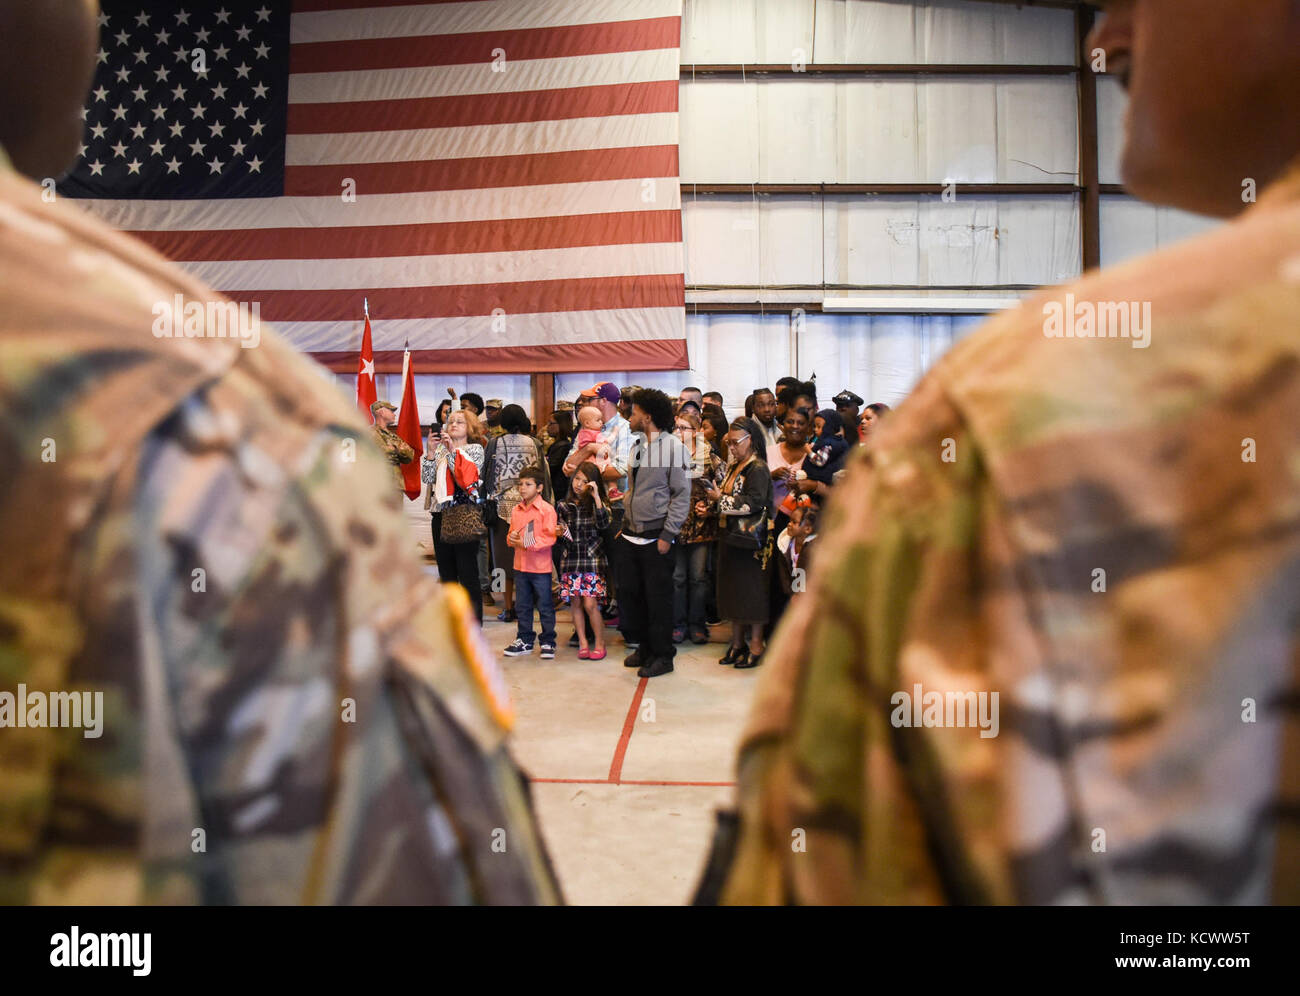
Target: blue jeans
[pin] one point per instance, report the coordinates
(534, 589)
(690, 584)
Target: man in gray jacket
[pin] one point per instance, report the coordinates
(655, 509)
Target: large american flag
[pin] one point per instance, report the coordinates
(498, 177)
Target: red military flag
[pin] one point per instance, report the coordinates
(366, 395)
(408, 425)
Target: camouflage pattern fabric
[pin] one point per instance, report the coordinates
(1148, 749)
(293, 711)
(397, 450)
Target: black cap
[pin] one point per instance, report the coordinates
(846, 399)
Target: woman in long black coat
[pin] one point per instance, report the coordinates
(744, 503)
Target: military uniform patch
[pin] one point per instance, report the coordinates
(487, 672)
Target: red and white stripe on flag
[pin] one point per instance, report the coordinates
(499, 176)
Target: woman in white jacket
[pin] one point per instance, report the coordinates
(461, 439)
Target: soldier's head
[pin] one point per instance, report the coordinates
(385, 414)
(493, 411)
(47, 60)
(1214, 104)
(691, 394)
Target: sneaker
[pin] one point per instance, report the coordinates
(714, 622)
(699, 635)
(519, 649)
(548, 651)
(679, 635)
(630, 644)
(507, 616)
(488, 599)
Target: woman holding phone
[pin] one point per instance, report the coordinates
(453, 473)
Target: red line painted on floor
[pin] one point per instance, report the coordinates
(616, 766)
(606, 781)
(628, 781)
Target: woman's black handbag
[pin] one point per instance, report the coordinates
(746, 532)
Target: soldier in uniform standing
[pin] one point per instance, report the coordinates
(394, 447)
(292, 712)
(1090, 509)
(493, 413)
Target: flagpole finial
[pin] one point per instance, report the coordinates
(367, 305)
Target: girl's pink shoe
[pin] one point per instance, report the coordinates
(596, 655)
(584, 655)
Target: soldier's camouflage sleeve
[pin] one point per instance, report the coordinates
(1095, 585)
(338, 730)
(836, 805)
(403, 451)
(205, 537)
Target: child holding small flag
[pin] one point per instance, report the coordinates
(532, 534)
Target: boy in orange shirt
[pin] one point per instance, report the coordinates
(532, 534)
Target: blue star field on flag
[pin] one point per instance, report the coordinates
(187, 102)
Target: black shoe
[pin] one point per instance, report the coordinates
(633, 659)
(753, 660)
(656, 667)
(731, 656)
(573, 640)
(699, 635)
(507, 616)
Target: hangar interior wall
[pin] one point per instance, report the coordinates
(775, 251)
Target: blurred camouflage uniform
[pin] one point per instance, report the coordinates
(1121, 711)
(396, 449)
(214, 548)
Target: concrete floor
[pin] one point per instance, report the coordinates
(627, 772)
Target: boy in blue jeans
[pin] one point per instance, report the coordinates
(532, 534)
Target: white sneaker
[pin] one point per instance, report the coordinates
(548, 652)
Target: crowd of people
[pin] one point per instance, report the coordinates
(653, 515)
